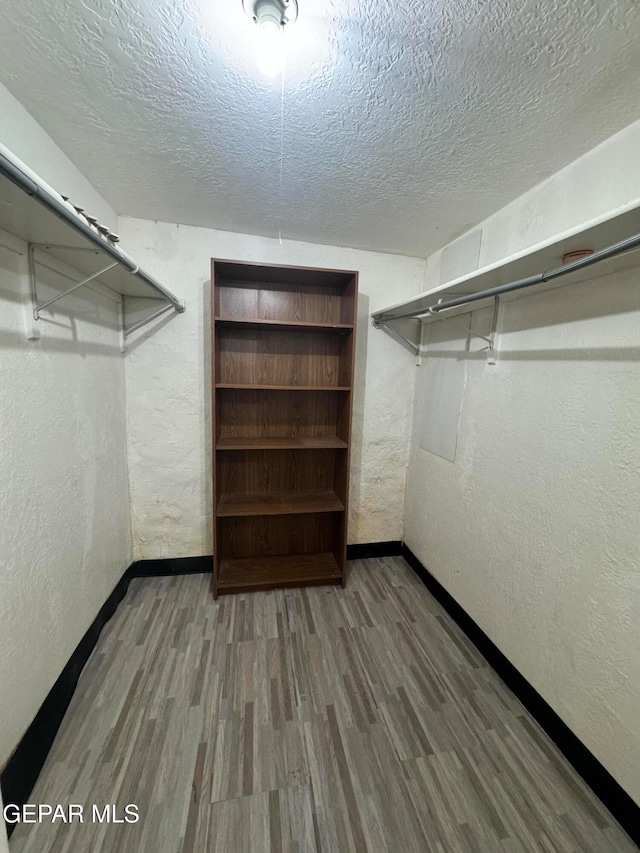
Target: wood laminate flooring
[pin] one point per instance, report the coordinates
(306, 721)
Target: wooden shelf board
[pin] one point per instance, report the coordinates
(302, 443)
(223, 385)
(301, 325)
(255, 573)
(279, 503)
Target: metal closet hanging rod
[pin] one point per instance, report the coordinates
(612, 251)
(19, 174)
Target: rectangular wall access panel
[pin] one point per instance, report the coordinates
(283, 343)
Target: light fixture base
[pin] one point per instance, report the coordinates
(282, 12)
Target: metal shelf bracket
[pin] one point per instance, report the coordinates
(394, 333)
(127, 331)
(379, 323)
(37, 306)
(490, 349)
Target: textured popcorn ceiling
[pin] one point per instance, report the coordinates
(404, 123)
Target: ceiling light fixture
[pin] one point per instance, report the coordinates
(271, 17)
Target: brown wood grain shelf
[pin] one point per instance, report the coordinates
(223, 385)
(278, 503)
(292, 325)
(256, 573)
(302, 443)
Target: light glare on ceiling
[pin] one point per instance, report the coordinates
(270, 48)
(270, 17)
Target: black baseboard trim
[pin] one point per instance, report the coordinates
(597, 777)
(199, 565)
(24, 766)
(374, 549)
(172, 566)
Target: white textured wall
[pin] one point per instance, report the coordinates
(4, 844)
(168, 381)
(65, 535)
(22, 135)
(535, 528)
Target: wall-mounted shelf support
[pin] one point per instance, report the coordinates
(477, 335)
(45, 248)
(394, 333)
(414, 346)
(34, 286)
(473, 334)
(492, 349)
(127, 331)
(490, 341)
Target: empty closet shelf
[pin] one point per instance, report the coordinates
(272, 572)
(279, 503)
(241, 387)
(301, 443)
(289, 325)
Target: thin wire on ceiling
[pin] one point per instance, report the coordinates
(284, 62)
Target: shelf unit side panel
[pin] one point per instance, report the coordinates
(214, 434)
(346, 416)
(349, 302)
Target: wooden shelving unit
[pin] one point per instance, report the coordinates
(283, 349)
